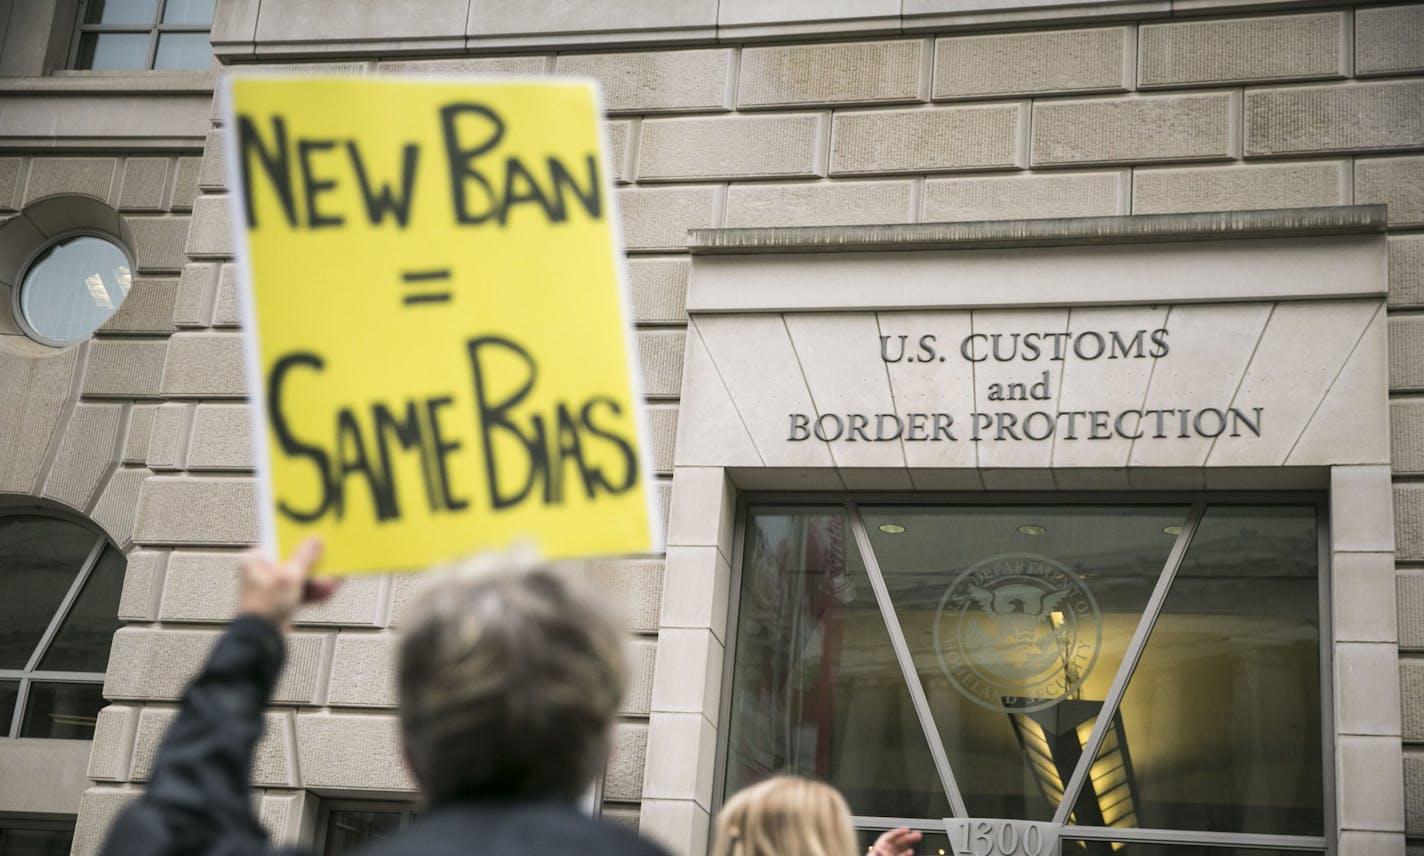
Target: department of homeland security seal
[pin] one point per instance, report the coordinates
(1017, 632)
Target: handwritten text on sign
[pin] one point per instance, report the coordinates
(1042, 422)
(437, 324)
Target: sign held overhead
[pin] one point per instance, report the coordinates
(435, 320)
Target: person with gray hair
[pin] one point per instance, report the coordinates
(510, 676)
(521, 658)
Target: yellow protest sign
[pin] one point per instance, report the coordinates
(436, 324)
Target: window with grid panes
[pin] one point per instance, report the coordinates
(136, 35)
(62, 581)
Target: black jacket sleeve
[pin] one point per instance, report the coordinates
(198, 798)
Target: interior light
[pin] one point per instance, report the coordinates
(1173, 530)
(1031, 529)
(891, 528)
(1053, 741)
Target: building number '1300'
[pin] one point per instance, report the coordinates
(980, 837)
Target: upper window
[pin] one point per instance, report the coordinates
(71, 288)
(1142, 675)
(133, 35)
(62, 582)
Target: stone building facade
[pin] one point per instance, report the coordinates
(730, 115)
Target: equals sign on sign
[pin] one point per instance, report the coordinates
(419, 279)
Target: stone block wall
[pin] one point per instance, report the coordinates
(77, 425)
(734, 122)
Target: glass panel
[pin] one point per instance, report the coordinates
(1223, 712)
(183, 52)
(347, 830)
(816, 688)
(1134, 848)
(1018, 618)
(188, 12)
(9, 693)
(62, 711)
(932, 843)
(35, 842)
(121, 13)
(82, 644)
(39, 558)
(73, 287)
(113, 51)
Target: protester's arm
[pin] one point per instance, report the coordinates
(197, 800)
(896, 842)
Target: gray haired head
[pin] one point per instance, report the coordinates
(510, 676)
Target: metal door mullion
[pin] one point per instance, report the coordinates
(65, 677)
(22, 697)
(1185, 836)
(906, 661)
(1129, 662)
(64, 605)
(924, 824)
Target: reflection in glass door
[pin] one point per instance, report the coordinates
(1143, 673)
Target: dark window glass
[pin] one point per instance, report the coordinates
(62, 711)
(82, 644)
(816, 688)
(1223, 712)
(188, 12)
(121, 13)
(113, 51)
(9, 694)
(347, 830)
(25, 841)
(39, 558)
(1018, 619)
(183, 52)
(931, 842)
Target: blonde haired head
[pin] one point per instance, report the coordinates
(785, 816)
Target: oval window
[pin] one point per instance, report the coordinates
(72, 287)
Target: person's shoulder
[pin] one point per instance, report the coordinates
(499, 829)
(622, 839)
(592, 836)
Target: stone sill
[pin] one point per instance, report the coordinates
(105, 110)
(784, 21)
(1074, 231)
(989, 484)
(113, 83)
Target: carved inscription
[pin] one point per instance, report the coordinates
(1044, 422)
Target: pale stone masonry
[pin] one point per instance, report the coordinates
(742, 113)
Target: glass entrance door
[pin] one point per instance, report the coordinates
(1138, 678)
